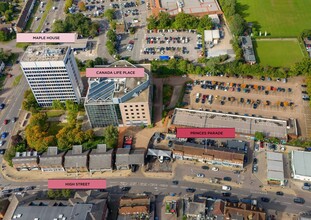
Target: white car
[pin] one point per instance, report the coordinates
(215, 168)
(226, 188)
(200, 175)
(1, 143)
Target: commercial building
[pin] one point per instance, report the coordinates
(85, 205)
(52, 160)
(275, 168)
(244, 125)
(243, 211)
(212, 155)
(119, 101)
(301, 163)
(211, 36)
(52, 74)
(134, 205)
(248, 50)
(25, 15)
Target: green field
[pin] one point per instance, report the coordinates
(280, 18)
(277, 53)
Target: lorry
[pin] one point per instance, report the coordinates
(164, 57)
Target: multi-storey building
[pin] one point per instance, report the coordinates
(52, 74)
(119, 101)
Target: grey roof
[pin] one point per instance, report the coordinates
(301, 163)
(195, 208)
(22, 21)
(25, 157)
(275, 166)
(76, 158)
(236, 144)
(122, 156)
(137, 156)
(248, 49)
(100, 160)
(52, 157)
(159, 153)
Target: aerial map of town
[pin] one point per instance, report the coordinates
(155, 109)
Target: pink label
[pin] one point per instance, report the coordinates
(76, 184)
(115, 72)
(46, 37)
(205, 133)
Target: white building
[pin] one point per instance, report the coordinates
(211, 36)
(301, 163)
(52, 74)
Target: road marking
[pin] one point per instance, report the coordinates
(174, 186)
(163, 185)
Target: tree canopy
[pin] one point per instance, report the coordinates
(111, 135)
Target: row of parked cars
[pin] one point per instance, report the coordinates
(167, 40)
(162, 50)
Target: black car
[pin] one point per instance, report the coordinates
(2, 151)
(125, 189)
(306, 184)
(265, 199)
(205, 167)
(175, 182)
(226, 194)
(236, 172)
(190, 190)
(255, 161)
(170, 143)
(279, 193)
(227, 178)
(299, 200)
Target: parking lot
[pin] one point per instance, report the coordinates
(170, 43)
(250, 97)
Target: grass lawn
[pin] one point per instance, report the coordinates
(278, 53)
(17, 80)
(167, 94)
(55, 126)
(55, 113)
(280, 18)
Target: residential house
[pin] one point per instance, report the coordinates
(52, 160)
(26, 161)
(195, 209)
(248, 50)
(243, 211)
(212, 155)
(25, 15)
(76, 160)
(133, 205)
(2, 66)
(126, 158)
(100, 159)
(85, 205)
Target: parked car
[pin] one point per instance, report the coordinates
(227, 178)
(13, 119)
(215, 168)
(299, 200)
(255, 161)
(279, 193)
(175, 182)
(236, 172)
(125, 188)
(226, 194)
(200, 175)
(190, 190)
(2, 151)
(6, 121)
(265, 199)
(226, 188)
(3, 135)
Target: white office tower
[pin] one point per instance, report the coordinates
(52, 73)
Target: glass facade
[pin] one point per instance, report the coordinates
(102, 115)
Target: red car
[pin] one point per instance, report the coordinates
(5, 121)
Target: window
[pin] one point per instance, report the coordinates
(136, 106)
(126, 113)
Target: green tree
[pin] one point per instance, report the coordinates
(3, 7)
(68, 4)
(30, 102)
(113, 24)
(152, 22)
(59, 27)
(66, 193)
(237, 24)
(259, 136)
(58, 105)
(165, 20)
(111, 35)
(110, 47)
(111, 135)
(109, 14)
(100, 61)
(185, 21)
(81, 6)
(205, 23)
(39, 119)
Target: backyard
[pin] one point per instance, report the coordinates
(277, 53)
(290, 17)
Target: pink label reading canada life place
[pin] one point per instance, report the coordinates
(46, 37)
(76, 184)
(115, 72)
(205, 133)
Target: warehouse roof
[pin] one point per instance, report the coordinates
(275, 166)
(301, 162)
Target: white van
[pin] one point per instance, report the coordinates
(226, 188)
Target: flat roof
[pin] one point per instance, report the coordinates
(275, 166)
(44, 53)
(301, 163)
(242, 124)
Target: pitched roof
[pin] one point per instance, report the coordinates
(134, 210)
(195, 208)
(76, 157)
(22, 21)
(137, 156)
(100, 160)
(159, 153)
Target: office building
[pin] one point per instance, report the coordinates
(301, 162)
(119, 101)
(52, 74)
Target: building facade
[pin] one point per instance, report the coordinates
(119, 101)
(52, 74)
